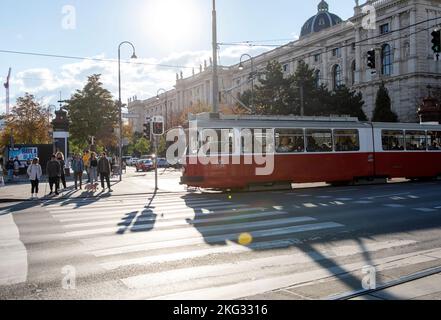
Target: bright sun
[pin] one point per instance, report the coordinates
(172, 21)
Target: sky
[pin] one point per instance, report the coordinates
(174, 33)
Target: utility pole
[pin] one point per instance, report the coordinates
(215, 75)
(6, 85)
(302, 100)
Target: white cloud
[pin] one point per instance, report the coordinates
(142, 77)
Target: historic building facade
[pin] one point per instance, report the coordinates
(398, 30)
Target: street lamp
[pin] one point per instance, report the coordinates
(51, 128)
(120, 103)
(241, 68)
(166, 105)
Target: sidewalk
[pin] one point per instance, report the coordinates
(133, 183)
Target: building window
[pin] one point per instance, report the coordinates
(336, 76)
(384, 28)
(386, 60)
(353, 69)
(353, 46)
(317, 57)
(286, 68)
(317, 78)
(336, 52)
(321, 22)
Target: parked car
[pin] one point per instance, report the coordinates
(132, 162)
(163, 163)
(144, 165)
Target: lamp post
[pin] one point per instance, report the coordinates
(166, 105)
(215, 80)
(51, 128)
(241, 67)
(120, 103)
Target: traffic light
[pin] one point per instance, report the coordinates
(148, 129)
(436, 41)
(158, 127)
(371, 59)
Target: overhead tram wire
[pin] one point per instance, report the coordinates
(356, 43)
(93, 59)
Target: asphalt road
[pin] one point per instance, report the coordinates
(311, 243)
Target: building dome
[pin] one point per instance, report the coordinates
(322, 20)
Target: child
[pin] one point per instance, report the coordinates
(34, 173)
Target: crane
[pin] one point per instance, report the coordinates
(6, 85)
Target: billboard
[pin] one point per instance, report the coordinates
(23, 153)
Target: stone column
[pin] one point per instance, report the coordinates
(396, 46)
(413, 41)
(358, 57)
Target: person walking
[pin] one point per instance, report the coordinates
(16, 167)
(53, 170)
(60, 159)
(86, 161)
(93, 170)
(78, 169)
(34, 173)
(105, 169)
(10, 169)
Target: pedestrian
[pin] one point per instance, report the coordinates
(10, 168)
(93, 170)
(104, 169)
(86, 161)
(17, 165)
(78, 169)
(53, 170)
(60, 158)
(34, 173)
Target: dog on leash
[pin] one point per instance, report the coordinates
(92, 187)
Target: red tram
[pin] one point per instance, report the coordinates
(311, 149)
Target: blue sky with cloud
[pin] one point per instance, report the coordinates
(176, 32)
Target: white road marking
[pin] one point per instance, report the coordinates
(189, 254)
(140, 221)
(424, 210)
(169, 215)
(230, 227)
(14, 257)
(247, 287)
(394, 206)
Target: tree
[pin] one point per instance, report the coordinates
(347, 102)
(383, 111)
(274, 94)
(93, 112)
(28, 122)
(305, 78)
(142, 147)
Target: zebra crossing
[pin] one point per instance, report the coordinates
(208, 247)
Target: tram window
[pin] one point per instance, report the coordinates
(319, 140)
(346, 140)
(434, 140)
(290, 140)
(219, 144)
(255, 141)
(416, 140)
(393, 140)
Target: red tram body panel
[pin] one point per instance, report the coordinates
(317, 150)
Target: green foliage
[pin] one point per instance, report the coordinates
(93, 112)
(383, 111)
(279, 94)
(141, 147)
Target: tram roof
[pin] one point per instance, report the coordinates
(217, 120)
